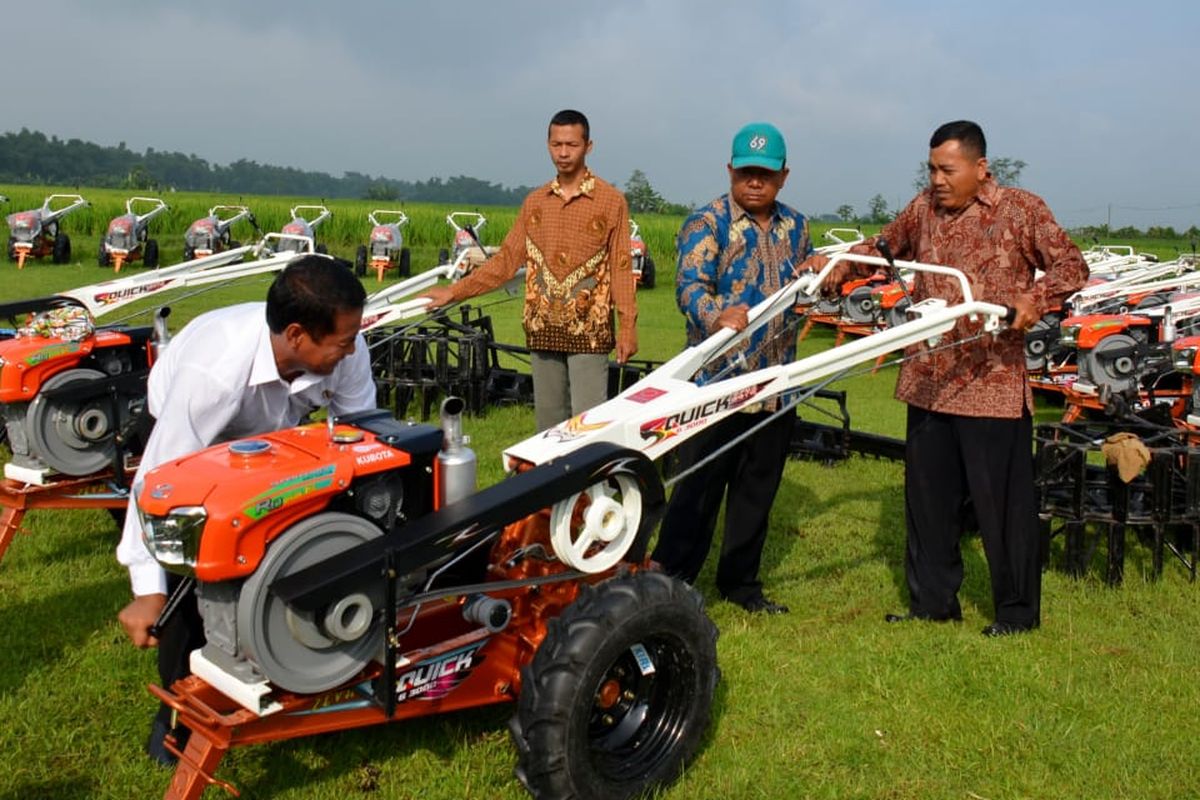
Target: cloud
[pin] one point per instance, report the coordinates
(1098, 104)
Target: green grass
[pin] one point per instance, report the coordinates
(827, 702)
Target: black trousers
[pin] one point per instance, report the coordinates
(746, 477)
(948, 460)
(183, 634)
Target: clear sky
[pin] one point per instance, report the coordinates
(1099, 98)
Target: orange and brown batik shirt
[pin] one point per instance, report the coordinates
(1007, 243)
(576, 256)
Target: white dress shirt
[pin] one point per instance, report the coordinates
(217, 381)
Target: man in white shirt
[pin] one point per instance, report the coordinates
(236, 372)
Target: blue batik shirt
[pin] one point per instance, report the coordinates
(726, 259)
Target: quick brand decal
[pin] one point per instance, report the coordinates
(438, 677)
(287, 491)
(663, 428)
(53, 351)
(108, 298)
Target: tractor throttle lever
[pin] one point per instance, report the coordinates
(885, 250)
(182, 590)
(470, 229)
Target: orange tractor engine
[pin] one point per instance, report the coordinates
(1110, 349)
(349, 575)
(70, 393)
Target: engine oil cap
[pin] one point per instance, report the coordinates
(349, 436)
(250, 447)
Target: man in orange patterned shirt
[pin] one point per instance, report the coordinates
(970, 431)
(572, 237)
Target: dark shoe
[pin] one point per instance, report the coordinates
(761, 605)
(156, 746)
(918, 617)
(1005, 629)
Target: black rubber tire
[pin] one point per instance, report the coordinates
(189, 252)
(443, 256)
(103, 258)
(592, 724)
(62, 248)
(648, 277)
(150, 256)
(405, 263)
(360, 260)
(12, 248)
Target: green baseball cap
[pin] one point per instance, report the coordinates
(759, 144)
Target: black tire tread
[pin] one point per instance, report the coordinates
(572, 640)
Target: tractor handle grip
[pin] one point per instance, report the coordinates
(1010, 315)
(182, 590)
(885, 250)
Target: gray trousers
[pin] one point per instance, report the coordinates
(566, 384)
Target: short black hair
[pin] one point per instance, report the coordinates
(313, 290)
(965, 132)
(569, 116)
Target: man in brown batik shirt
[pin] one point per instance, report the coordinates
(970, 428)
(572, 236)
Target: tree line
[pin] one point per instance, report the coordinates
(32, 157)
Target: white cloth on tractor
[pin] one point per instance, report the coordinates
(217, 381)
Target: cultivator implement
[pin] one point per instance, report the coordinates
(1090, 504)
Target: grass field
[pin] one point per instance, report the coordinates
(826, 702)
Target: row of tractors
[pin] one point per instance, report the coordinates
(37, 233)
(1127, 343)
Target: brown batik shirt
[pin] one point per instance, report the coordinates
(576, 256)
(1000, 241)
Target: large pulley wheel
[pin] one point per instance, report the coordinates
(860, 306)
(593, 530)
(618, 696)
(1114, 362)
(302, 653)
(1038, 340)
(897, 315)
(75, 437)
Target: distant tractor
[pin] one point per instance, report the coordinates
(306, 226)
(127, 238)
(466, 225)
(386, 248)
(212, 234)
(36, 234)
(640, 260)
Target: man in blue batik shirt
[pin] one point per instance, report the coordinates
(734, 252)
